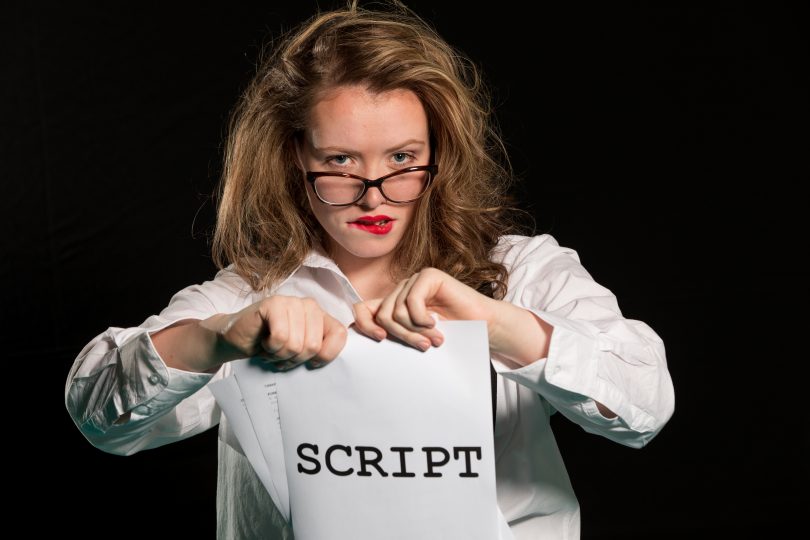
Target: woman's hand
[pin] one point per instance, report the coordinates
(407, 312)
(515, 334)
(285, 330)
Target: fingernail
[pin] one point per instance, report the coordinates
(424, 345)
(380, 335)
(315, 364)
(437, 341)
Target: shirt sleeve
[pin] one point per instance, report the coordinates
(595, 354)
(121, 394)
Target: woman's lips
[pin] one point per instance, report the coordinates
(381, 224)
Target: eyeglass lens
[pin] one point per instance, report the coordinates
(402, 187)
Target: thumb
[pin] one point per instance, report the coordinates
(364, 313)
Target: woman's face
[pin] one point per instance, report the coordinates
(371, 135)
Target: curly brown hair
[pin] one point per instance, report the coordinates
(265, 226)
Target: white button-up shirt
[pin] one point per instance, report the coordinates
(595, 355)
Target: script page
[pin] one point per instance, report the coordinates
(388, 442)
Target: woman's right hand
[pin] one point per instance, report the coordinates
(285, 330)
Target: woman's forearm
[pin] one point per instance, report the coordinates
(194, 345)
(519, 337)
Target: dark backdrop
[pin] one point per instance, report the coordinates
(662, 143)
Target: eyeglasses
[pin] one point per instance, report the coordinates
(342, 189)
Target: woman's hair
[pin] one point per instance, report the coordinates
(265, 226)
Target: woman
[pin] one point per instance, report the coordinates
(362, 186)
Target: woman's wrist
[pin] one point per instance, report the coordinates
(194, 345)
(516, 334)
(218, 348)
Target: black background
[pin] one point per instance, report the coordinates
(665, 144)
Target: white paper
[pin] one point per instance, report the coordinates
(258, 385)
(229, 398)
(371, 402)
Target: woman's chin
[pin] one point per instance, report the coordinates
(365, 252)
(372, 254)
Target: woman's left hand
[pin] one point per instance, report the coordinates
(407, 312)
(516, 335)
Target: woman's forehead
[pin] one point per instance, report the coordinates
(353, 116)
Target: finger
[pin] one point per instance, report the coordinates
(411, 306)
(284, 365)
(412, 313)
(334, 339)
(312, 330)
(385, 310)
(287, 342)
(295, 339)
(364, 319)
(385, 318)
(384, 314)
(420, 293)
(400, 312)
(277, 327)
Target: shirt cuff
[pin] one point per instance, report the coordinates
(148, 387)
(568, 376)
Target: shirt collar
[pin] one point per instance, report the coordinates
(317, 258)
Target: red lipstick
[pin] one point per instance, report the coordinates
(381, 224)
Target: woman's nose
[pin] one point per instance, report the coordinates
(372, 198)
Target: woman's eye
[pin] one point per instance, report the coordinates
(401, 157)
(339, 160)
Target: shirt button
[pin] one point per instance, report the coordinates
(154, 378)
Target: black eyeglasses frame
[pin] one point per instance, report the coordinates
(433, 169)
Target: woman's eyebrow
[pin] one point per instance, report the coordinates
(346, 150)
(409, 142)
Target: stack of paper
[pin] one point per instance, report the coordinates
(385, 442)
